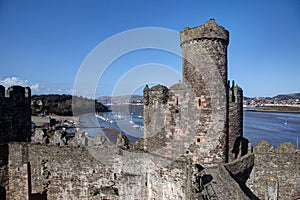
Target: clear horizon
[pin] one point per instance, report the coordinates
(45, 44)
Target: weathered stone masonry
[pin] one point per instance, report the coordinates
(202, 111)
(276, 172)
(50, 172)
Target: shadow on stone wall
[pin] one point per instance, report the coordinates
(2, 193)
(3, 170)
(240, 147)
(241, 169)
(35, 196)
(38, 196)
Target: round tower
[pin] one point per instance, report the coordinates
(204, 46)
(204, 52)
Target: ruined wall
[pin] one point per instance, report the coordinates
(56, 173)
(154, 117)
(146, 176)
(18, 173)
(276, 172)
(15, 114)
(237, 145)
(170, 123)
(49, 172)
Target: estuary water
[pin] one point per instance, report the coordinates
(275, 128)
(272, 127)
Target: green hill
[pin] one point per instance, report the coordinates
(62, 104)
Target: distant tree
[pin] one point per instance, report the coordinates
(62, 104)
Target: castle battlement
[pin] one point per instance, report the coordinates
(209, 30)
(15, 117)
(235, 93)
(18, 94)
(158, 93)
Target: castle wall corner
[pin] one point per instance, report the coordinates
(15, 114)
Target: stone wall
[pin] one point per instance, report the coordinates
(238, 146)
(198, 118)
(49, 172)
(56, 173)
(15, 114)
(276, 172)
(204, 52)
(37, 171)
(154, 117)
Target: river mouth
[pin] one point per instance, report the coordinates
(274, 127)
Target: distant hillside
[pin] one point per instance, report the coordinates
(279, 97)
(139, 98)
(61, 104)
(121, 99)
(288, 96)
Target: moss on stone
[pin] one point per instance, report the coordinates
(263, 147)
(286, 147)
(269, 178)
(159, 87)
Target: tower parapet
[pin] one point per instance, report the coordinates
(204, 46)
(209, 30)
(15, 114)
(16, 94)
(157, 94)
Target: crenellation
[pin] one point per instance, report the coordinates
(15, 114)
(276, 172)
(209, 30)
(27, 95)
(16, 93)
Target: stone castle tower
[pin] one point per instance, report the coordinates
(200, 117)
(15, 114)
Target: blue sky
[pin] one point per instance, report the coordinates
(44, 43)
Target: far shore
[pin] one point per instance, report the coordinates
(277, 109)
